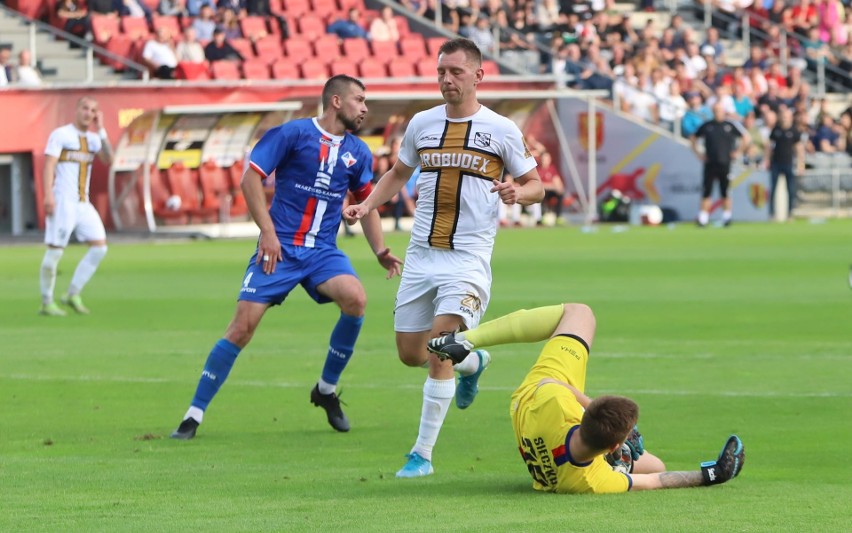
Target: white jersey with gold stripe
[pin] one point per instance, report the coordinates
(75, 151)
(458, 158)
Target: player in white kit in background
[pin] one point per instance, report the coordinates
(69, 155)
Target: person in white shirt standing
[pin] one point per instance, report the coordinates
(69, 155)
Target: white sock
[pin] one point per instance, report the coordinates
(703, 217)
(437, 394)
(469, 366)
(194, 412)
(326, 387)
(726, 215)
(47, 277)
(86, 268)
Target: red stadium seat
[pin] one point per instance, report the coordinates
(311, 27)
(34, 9)
(384, 50)
(215, 189)
(183, 183)
(343, 66)
(356, 49)
(187, 70)
(402, 26)
(490, 67)
(427, 67)
(324, 8)
(269, 49)
(256, 69)
(401, 69)
(135, 27)
(104, 27)
(160, 194)
(313, 69)
(120, 46)
(253, 27)
(238, 200)
(285, 69)
(225, 70)
(372, 68)
(243, 46)
(298, 49)
(433, 44)
(276, 7)
(168, 22)
(413, 47)
(346, 5)
(327, 47)
(296, 8)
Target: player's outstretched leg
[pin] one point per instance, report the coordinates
(468, 386)
(216, 370)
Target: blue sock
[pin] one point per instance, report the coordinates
(341, 346)
(215, 372)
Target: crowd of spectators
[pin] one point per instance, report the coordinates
(21, 74)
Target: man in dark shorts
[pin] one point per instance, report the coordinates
(720, 148)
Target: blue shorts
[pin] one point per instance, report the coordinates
(308, 267)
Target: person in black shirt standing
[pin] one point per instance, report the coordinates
(720, 148)
(785, 139)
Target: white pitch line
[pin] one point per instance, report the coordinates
(414, 385)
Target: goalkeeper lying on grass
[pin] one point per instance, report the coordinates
(570, 442)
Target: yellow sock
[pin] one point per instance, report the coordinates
(526, 325)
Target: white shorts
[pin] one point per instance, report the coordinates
(441, 282)
(72, 216)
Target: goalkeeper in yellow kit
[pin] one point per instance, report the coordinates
(571, 443)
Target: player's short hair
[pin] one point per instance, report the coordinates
(607, 421)
(86, 99)
(465, 45)
(337, 85)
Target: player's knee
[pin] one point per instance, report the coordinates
(240, 333)
(354, 303)
(580, 312)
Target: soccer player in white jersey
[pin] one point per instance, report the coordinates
(462, 148)
(69, 155)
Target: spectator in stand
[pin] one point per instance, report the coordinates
(229, 22)
(349, 28)
(384, 27)
(511, 40)
(554, 186)
(815, 50)
(756, 58)
(804, 16)
(696, 115)
(759, 83)
(159, 55)
(738, 78)
(672, 107)
(779, 14)
(220, 49)
(416, 7)
(205, 23)
(829, 20)
(172, 8)
(76, 18)
(103, 7)
(133, 8)
(237, 7)
(783, 145)
(828, 139)
(26, 74)
(743, 104)
(724, 97)
(7, 71)
(193, 7)
(712, 40)
(772, 100)
(759, 133)
(189, 49)
(773, 73)
(482, 35)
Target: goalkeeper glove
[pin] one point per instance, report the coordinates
(636, 443)
(727, 466)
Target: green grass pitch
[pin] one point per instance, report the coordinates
(715, 331)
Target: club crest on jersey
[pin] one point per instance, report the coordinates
(348, 160)
(483, 140)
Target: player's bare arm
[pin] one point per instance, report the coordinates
(726, 467)
(268, 246)
(106, 153)
(524, 190)
(389, 184)
(48, 177)
(372, 225)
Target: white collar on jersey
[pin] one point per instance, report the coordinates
(333, 137)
